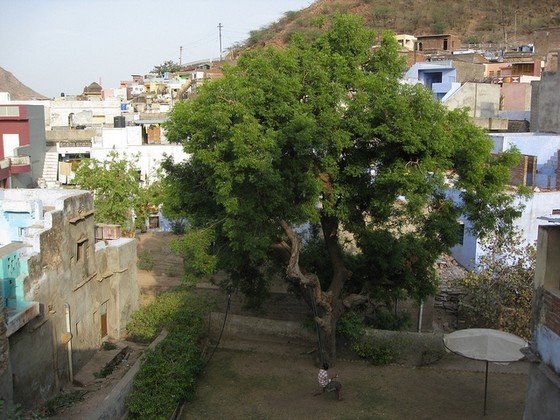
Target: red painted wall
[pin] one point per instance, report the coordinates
(15, 125)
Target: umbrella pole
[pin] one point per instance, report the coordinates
(485, 388)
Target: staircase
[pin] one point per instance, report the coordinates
(50, 170)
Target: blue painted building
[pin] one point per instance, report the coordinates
(15, 219)
(440, 77)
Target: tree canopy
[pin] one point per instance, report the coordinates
(119, 197)
(323, 133)
(168, 66)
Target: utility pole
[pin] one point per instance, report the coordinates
(220, 32)
(181, 55)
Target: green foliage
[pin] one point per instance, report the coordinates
(194, 246)
(500, 294)
(388, 320)
(116, 188)
(148, 321)
(351, 325)
(324, 132)
(107, 346)
(168, 66)
(64, 399)
(169, 372)
(381, 354)
(146, 260)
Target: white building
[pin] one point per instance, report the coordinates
(538, 169)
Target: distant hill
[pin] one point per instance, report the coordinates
(489, 21)
(17, 90)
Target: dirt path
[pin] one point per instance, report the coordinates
(247, 385)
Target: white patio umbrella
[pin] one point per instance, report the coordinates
(487, 345)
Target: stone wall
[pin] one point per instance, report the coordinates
(86, 291)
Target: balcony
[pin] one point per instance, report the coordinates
(20, 164)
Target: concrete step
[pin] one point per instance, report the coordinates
(102, 360)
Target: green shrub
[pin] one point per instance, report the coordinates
(380, 354)
(351, 325)
(146, 260)
(148, 321)
(169, 372)
(64, 399)
(387, 320)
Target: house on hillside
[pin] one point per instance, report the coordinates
(407, 42)
(436, 43)
(22, 145)
(543, 392)
(63, 291)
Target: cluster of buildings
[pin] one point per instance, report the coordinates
(68, 284)
(514, 95)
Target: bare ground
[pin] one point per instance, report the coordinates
(256, 384)
(253, 385)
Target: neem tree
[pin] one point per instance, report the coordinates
(323, 133)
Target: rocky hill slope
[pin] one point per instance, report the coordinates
(490, 21)
(18, 91)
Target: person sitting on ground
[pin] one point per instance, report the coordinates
(327, 382)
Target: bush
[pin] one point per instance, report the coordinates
(500, 295)
(146, 260)
(169, 371)
(148, 321)
(386, 320)
(351, 325)
(380, 354)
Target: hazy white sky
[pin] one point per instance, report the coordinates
(56, 46)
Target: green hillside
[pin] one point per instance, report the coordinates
(475, 21)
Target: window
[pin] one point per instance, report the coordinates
(461, 233)
(445, 44)
(9, 111)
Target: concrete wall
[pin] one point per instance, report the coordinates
(482, 99)
(149, 156)
(37, 146)
(85, 112)
(6, 384)
(543, 393)
(516, 97)
(545, 106)
(73, 272)
(468, 71)
(540, 204)
(544, 147)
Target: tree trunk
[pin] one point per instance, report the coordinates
(328, 304)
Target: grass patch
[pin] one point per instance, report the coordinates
(107, 346)
(62, 400)
(169, 372)
(146, 260)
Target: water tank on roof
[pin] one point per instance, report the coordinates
(119, 122)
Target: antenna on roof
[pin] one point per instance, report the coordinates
(220, 32)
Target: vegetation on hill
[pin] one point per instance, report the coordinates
(492, 21)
